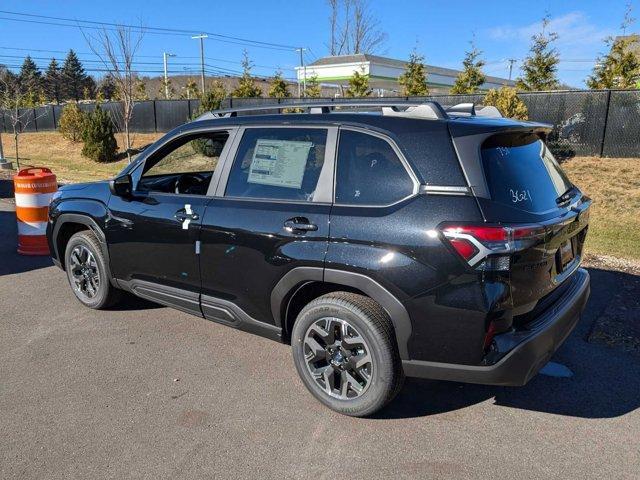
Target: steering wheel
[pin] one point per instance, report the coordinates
(188, 181)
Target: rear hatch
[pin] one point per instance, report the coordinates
(548, 215)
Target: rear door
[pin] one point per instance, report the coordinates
(527, 186)
(270, 215)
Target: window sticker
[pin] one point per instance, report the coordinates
(280, 163)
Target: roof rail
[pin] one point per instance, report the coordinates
(428, 109)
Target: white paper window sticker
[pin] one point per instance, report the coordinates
(280, 163)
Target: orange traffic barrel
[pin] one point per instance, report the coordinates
(34, 188)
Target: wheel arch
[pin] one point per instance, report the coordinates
(296, 282)
(68, 224)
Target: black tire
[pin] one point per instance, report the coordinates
(369, 321)
(105, 295)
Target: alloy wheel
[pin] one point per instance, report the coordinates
(338, 358)
(84, 271)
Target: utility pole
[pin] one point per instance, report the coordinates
(166, 55)
(202, 36)
(511, 62)
(304, 73)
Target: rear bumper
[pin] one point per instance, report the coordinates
(530, 348)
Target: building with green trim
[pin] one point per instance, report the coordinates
(383, 74)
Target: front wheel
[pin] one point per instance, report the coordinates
(88, 272)
(345, 352)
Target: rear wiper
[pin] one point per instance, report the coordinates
(566, 196)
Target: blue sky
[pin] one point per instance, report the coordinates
(440, 30)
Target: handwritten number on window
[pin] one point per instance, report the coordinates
(520, 195)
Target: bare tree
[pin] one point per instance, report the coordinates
(12, 98)
(117, 49)
(353, 28)
(333, 25)
(366, 35)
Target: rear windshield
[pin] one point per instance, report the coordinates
(521, 172)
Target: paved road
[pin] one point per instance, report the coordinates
(149, 392)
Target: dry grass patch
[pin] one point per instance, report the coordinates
(614, 186)
(63, 157)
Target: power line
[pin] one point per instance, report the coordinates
(81, 54)
(143, 29)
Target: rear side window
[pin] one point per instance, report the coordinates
(278, 164)
(369, 172)
(521, 172)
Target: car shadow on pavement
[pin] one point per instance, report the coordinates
(605, 381)
(591, 393)
(6, 188)
(10, 261)
(130, 302)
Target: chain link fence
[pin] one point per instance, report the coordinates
(603, 123)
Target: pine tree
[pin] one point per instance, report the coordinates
(471, 78)
(140, 90)
(313, 88)
(30, 79)
(191, 89)
(52, 84)
(279, 88)
(414, 79)
(72, 122)
(74, 78)
(98, 136)
(541, 65)
(507, 102)
(107, 89)
(620, 68)
(89, 88)
(358, 85)
(212, 98)
(166, 90)
(247, 87)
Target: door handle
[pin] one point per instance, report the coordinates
(299, 225)
(181, 215)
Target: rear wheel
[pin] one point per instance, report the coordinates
(345, 352)
(88, 272)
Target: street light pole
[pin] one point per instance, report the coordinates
(511, 62)
(304, 73)
(166, 55)
(202, 36)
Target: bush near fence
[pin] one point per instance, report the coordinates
(602, 123)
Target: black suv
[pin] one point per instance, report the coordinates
(380, 240)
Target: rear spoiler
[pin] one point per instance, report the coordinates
(470, 110)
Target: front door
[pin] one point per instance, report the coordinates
(153, 235)
(270, 214)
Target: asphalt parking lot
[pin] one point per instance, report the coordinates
(148, 392)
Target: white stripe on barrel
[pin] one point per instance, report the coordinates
(32, 228)
(33, 200)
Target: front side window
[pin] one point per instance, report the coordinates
(278, 164)
(369, 172)
(184, 166)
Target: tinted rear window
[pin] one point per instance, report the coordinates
(521, 172)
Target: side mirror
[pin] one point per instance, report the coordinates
(122, 186)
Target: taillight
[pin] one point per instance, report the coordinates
(490, 244)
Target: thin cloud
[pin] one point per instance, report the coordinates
(574, 29)
(580, 42)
